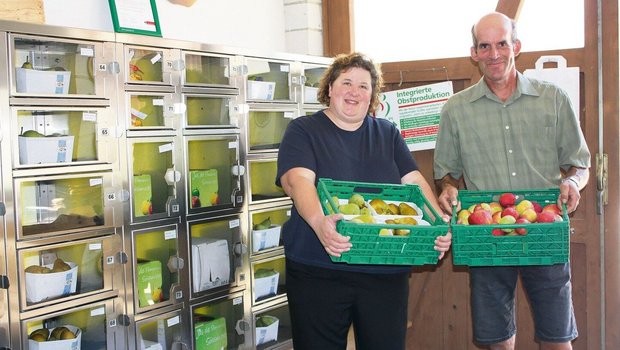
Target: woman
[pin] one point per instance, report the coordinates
(343, 142)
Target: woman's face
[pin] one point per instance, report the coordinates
(350, 94)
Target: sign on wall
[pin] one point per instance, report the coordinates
(135, 16)
(415, 112)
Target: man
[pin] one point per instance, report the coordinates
(511, 132)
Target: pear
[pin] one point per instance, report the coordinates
(27, 64)
(349, 209)
(386, 232)
(60, 265)
(263, 225)
(406, 209)
(32, 133)
(41, 333)
(33, 269)
(330, 210)
(265, 321)
(401, 232)
(368, 219)
(379, 206)
(39, 337)
(407, 220)
(357, 199)
(393, 209)
(67, 334)
(56, 332)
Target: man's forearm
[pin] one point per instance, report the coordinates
(579, 176)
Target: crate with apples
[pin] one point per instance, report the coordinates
(388, 223)
(502, 228)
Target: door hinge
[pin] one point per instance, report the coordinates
(4, 282)
(601, 182)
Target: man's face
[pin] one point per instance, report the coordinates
(495, 52)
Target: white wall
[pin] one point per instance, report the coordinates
(258, 24)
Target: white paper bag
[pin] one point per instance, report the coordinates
(566, 78)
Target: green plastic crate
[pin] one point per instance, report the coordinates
(369, 247)
(544, 243)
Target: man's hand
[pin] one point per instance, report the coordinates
(569, 195)
(448, 198)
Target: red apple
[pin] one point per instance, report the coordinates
(497, 232)
(529, 214)
(483, 206)
(537, 207)
(507, 199)
(522, 230)
(552, 208)
(510, 211)
(546, 216)
(480, 217)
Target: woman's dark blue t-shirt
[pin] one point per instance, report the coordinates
(376, 152)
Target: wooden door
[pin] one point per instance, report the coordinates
(439, 299)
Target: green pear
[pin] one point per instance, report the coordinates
(32, 133)
(357, 199)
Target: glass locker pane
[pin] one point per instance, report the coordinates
(57, 136)
(87, 326)
(147, 111)
(160, 333)
(62, 271)
(272, 327)
(152, 165)
(268, 80)
(266, 228)
(211, 182)
(311, 85)
(47, 67)
(262, 180)
(145, 65)
(269, 279)
(208, 111)
(155, 259)
(217, 323)
(60, 204)
(207, 70)
(213, 258)
(267, 129)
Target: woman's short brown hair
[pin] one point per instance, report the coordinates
(343, 63)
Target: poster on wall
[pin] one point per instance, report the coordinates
(415, 112)
(135, 16)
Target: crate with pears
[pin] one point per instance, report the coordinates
(506, 228)
(389, 224)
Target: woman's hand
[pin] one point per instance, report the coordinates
(333, 242)
(442, 244)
